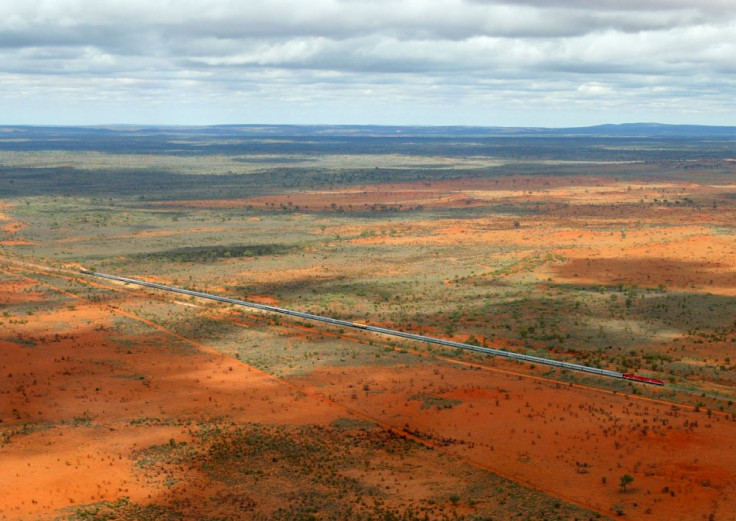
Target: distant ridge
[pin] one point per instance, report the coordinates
(652, 130)
(633, 130)
(613, 130)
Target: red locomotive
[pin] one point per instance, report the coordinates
(642, 379)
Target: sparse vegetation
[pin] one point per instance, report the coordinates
(625, 481)
(618, 257)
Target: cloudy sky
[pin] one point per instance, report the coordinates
(435, 62)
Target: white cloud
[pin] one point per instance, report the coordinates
(482, 56)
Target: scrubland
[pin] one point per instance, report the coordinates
(126, 403)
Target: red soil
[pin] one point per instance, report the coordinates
(264, 299)
(575, 191)
(19, 242)
(435, 194)
(9, 227)
(560, 439)
(87, 386)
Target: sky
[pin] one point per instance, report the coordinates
(551, 63)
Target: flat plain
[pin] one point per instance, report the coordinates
(119, 402)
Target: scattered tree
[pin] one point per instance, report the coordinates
(626, 480)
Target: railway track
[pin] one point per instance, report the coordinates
(385, 331)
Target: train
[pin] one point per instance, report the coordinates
(384, 331)
(642, 379)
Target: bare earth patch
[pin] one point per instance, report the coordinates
(571, 442)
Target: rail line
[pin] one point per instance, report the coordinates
(384, 331)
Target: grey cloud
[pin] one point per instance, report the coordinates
(618, 5)
(525, 51)
(443, 19)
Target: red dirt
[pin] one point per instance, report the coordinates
(562, 440)
(435, 194)
(674, 246)
(95, 395)
(559, 439)
(11, 227)
(89, 385)
(264, 299)
(19, 242)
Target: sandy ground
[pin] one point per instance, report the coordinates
(90, 396)
(10, 228)
(572, 442)
(94, 394)
(86, 387)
